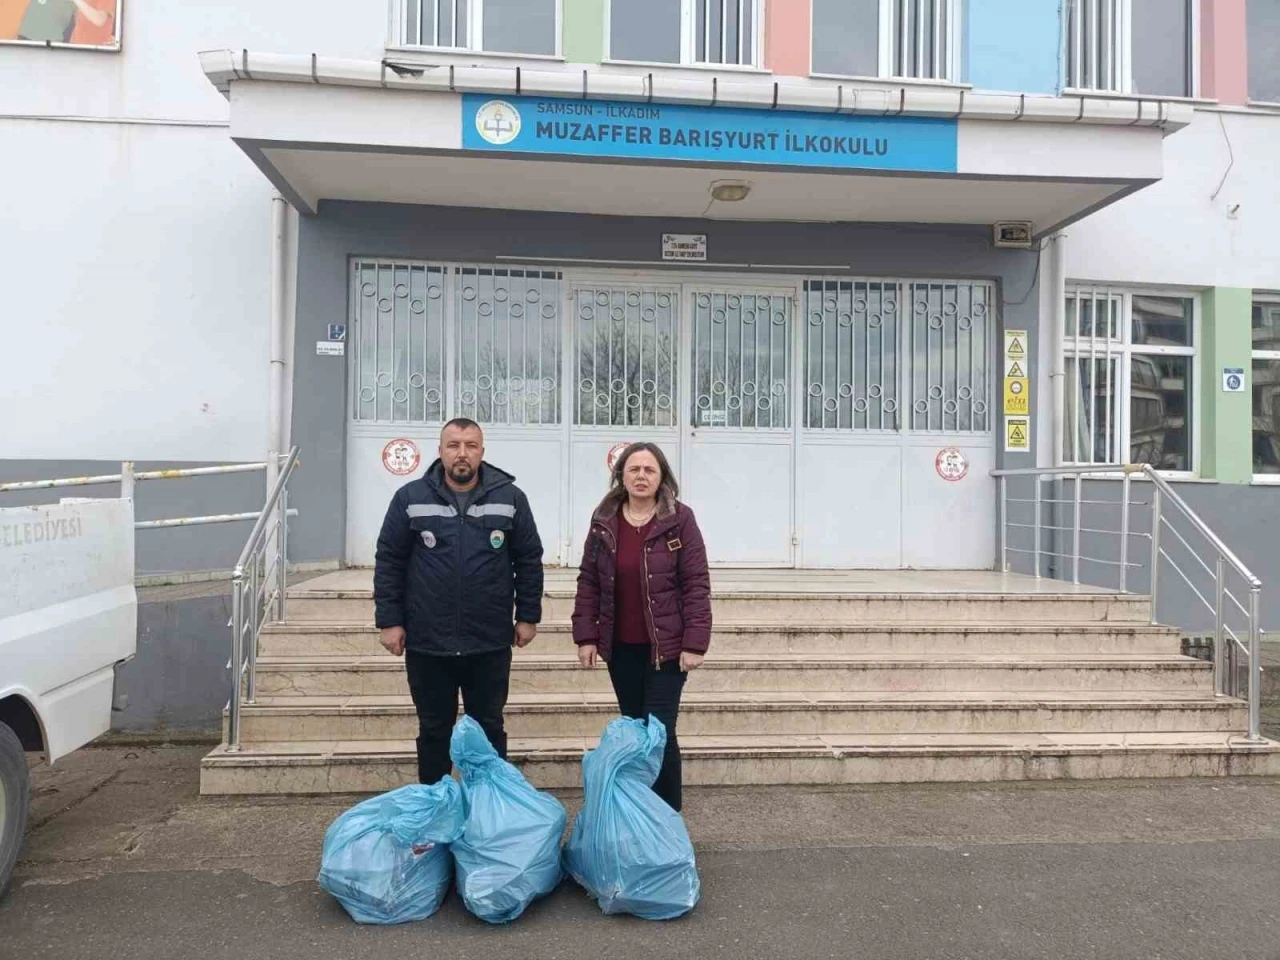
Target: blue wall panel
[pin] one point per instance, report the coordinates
(1013, 45)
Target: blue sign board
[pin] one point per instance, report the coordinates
(733, 135)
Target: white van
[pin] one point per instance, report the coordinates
(68, 616)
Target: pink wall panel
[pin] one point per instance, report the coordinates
(1224, 53)
(786, 40)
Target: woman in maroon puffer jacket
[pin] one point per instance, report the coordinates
(644, 597)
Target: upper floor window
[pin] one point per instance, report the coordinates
(686, 31)
(910, 39)
(494, 26)
(1264, 50)
(1131, 46)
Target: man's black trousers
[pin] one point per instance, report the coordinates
(434, 682)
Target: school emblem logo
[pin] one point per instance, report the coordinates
(496, 539)
(498, 122)
(400, 457)
(428, 539)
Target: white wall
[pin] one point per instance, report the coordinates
(1174, 232)
(134, 257)
(157, 73)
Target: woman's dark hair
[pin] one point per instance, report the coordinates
(618, 492)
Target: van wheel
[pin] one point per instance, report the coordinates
(15, 801)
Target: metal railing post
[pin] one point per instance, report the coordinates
(255, 611)
(282, 562)
(237, 659)
(1219, 651)
(1124, 533)
(1255, 663)
(127, 480)
(1075, 534)
(1036, 550)
(1004, 524)
(1155, 552)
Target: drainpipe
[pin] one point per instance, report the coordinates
(1057, 336)
(276, 372)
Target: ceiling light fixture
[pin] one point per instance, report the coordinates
(730, 191)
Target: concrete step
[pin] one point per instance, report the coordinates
(373, 766)
(379, 675)
(302, 639)
(776, 713)
(808, 607)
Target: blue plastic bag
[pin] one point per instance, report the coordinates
(628, 848)
(387, 859)
(509, 851)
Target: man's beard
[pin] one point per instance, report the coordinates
(461, 473)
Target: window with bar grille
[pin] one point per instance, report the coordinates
(686, 31)
(432, 341)
(625, 340)
(1130, 361)
(1116, 46)
(495, 26)
(724, 31)
(898, 355)
(915, 39)
(921, 45)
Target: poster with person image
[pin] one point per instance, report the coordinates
(89, 24)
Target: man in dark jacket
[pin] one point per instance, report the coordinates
(458, 553)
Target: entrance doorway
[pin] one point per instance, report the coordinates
(806, 418)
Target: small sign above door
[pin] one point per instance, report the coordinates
(684, 246)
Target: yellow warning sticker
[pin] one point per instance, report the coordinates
(1015, 345)
(1015, 368)
(1017, 396)
(1017, 435)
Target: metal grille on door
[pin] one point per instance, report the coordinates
(851, 355)
(742, 359)
(508, 345)
(398, 342)
(626, 348)
(949, 330)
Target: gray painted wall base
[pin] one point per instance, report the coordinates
(177, 683)
(1247, 518)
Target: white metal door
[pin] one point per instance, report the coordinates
(739, 466)
(893, 373)
(429, 342)
(626, 388)
(396, 344)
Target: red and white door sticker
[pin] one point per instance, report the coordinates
(951, 464)
(401, 457)
(611, 460)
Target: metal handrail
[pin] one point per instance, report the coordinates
(128, 471)
(128, 477)
(1160, 521)
(263, 566)
(1167, 489)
